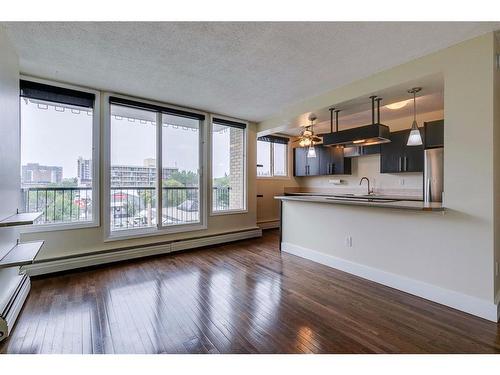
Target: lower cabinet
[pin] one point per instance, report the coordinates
(328, 161)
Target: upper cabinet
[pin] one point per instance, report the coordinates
(434, 134)
(397, 157)
(332, 161)
(304, 166)
(328, 161)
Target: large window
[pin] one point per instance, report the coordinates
(272, 160)
(228, 165)
(155, 163)
(58, 153)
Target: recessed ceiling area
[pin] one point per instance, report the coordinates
(246, 70)
(357, 112)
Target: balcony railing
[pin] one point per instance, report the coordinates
(130, 206)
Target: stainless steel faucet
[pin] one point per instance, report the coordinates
(367, 180)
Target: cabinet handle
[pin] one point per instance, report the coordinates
(399, 167)
(406, 164)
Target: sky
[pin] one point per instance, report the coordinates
(55, 138)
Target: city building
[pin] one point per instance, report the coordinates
(84, 171)
(138, 176)
(34, 174)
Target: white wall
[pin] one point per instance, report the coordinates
(86, 241)
(9, 153)
(454, 251)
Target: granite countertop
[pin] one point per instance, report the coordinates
(376, 201)
(375, 196)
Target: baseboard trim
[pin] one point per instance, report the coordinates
(81, 261)
(268, 224)
(472, 305)
(497, 302)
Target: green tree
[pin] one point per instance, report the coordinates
(171, 195)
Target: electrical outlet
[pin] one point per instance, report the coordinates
(348, 241)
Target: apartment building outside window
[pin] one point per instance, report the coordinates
(59, 145)
(272, 156)
(228, 165)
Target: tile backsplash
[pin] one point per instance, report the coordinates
(369, 166)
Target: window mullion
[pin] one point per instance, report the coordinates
(159, 170)
(272, 160)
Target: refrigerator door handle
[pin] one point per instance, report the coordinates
(427, 189)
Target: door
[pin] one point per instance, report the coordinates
(433, 175)
(391, 154)
(434, 134)
(325, 160)
(313, 163)
(299, 159)
(340, 164)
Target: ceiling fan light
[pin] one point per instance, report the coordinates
(311, 153)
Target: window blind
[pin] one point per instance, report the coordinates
(273, 139)
(233, 124)
(40, 91)
(162, 109)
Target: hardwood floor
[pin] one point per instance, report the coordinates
(243, 297)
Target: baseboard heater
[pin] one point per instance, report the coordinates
(115, 255)
(11, 311)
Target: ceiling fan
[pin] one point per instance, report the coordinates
(307, 137)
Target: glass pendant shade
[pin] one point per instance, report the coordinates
(414, 139)
(311, 153)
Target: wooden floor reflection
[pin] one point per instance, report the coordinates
(243, 297)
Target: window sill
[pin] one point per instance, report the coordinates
(228, 212)
(58, 227)
(127, 234)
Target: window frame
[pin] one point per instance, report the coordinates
(245, 168)
(287, 164)
(159, 229)
(96, 138)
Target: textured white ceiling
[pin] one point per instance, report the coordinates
(246, 70)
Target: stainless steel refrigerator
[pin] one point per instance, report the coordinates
(433, 175)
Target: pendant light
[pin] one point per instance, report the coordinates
(311, 152)
(414, 139)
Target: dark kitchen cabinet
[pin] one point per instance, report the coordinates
(370, 150)
(397, 157)
(332, 161)
(304, 166)
(434, 134)
(328, 161)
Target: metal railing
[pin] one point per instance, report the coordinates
(130, 206)
(59, 204)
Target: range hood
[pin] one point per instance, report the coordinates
(373, 134)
